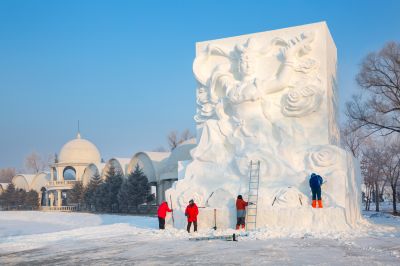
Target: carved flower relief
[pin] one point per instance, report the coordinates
(301, 102)
(322, 156)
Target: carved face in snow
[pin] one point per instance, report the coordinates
(247, 64)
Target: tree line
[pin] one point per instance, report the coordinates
(114, 194)
(19, 199)
(372, 129)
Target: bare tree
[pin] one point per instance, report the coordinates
(379, 76)
(160, 149)
(6, 174)
(174, 140)
(351, 139)
(391, 166)
(34, 163)
(371, 169)
(186, 134)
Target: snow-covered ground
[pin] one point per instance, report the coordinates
(82, 238)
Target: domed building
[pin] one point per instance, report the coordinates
(80, 160)
(162, 169)
(75, 157)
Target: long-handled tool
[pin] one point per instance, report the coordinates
(209, 199)
(215, 219)
(273, 201)
(172, 213)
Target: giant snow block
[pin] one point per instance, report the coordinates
(269, 97)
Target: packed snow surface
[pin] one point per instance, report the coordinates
(82, 238)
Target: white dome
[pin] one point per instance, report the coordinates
(79, 151)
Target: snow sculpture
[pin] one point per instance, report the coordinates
(270, 97)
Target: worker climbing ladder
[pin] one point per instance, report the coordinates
(254, 183)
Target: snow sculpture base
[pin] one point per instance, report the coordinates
(269, 97)
(305, 219)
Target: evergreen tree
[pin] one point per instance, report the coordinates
(31, 200)
(90, 191)
(135, 190)
(10, 196)
(113, 184)
(106, 194)
(76, 194)
(101, 198)
(20, 198)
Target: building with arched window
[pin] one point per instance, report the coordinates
(74, 157)
(80, 160)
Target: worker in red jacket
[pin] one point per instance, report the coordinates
(162, 213)
(191, 213)
(241, 211)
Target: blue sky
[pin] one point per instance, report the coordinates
(124, 68)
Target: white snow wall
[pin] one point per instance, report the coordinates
(269, 96)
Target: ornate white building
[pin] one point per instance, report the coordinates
(80, 160)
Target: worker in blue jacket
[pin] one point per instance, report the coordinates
(315, 185)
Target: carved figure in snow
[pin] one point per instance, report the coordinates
(235, 96)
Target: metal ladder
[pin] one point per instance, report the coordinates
(254, 183)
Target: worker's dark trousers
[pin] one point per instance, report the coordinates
(161, 223)
(190, 224)
(316, 193)
(240, 221)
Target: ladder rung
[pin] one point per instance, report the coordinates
(254, 183)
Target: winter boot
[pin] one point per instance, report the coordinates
(319, 203)
(237, 227)
(243, 226)
(314, 204)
